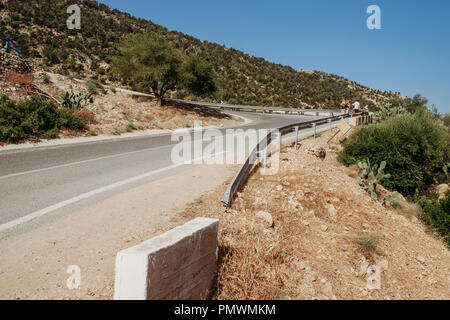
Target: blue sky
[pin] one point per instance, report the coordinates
(410, 54)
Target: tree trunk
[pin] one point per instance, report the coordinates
(158, 96)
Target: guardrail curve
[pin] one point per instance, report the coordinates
(243, 174)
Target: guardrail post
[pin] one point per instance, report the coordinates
(296, 137)
(315, 131)
(329, 123)
(265, 157)
(281, 142)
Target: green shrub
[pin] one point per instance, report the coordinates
(369, 242)
(112, 89)
(74, 101)
(46, 78)
(131, 127)
(91, 87)
(388, 111)
(415, 146)
(436, 213)
(33, 117)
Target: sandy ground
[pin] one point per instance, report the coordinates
(33, 265)
(312, 251)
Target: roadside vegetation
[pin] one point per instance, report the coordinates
(34, 118)
(150, 63)
(412, 143)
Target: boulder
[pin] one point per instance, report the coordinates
(266, 218)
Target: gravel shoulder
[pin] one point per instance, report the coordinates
(33, 265)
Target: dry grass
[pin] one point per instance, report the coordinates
(311, 252)
(368, 242)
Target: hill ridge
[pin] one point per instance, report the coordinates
(39, 26)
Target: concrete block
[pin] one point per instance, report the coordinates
(180, 264)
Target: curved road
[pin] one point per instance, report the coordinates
(44, 181)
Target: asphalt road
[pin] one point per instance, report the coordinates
(38, 181)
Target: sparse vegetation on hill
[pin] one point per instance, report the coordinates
(40, 29)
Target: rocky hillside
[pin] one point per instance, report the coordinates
(12, 63)
(39, 27)
(310, 232)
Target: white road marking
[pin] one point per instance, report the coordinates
(89, 194)
(92, 160)
(79, 162)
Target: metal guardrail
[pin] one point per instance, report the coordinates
(243, 174)
(294, 111)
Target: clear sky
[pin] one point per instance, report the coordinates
(410, 54)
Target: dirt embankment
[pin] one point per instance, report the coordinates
(329, 239)
(111, 112)
(114, 111)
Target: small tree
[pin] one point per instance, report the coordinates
(150, 62)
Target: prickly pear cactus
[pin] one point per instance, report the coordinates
(371, 176)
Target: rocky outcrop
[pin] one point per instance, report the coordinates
(12, 63)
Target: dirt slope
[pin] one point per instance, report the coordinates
(312, 252)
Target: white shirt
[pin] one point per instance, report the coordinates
(356, 105)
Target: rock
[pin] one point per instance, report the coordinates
(319, 152)
(421, 259)
(442, 189)
(331, 209)
(279, 187)
(266, 218)
(328, 291)
(302, 265)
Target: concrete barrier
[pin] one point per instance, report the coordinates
(177, 265)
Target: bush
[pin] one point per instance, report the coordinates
(91, 87)
(74, 101)
(415, 147)
(46, 78)
(369, 242)
(131, 127)
(33, 117)
(436, 213)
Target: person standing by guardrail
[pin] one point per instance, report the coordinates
(356, 106)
